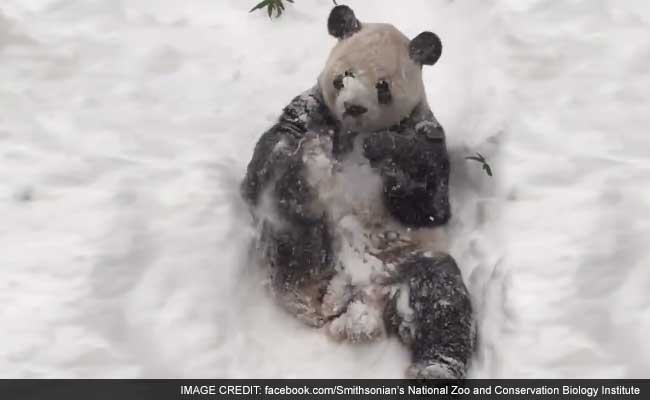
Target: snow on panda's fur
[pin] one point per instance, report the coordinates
(349, 190)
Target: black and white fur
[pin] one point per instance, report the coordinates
(349, 189)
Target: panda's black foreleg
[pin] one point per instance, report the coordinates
(438, 325)
(279, 150)
(296, 240)
(415, 172)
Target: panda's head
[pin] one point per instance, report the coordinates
(373, 76)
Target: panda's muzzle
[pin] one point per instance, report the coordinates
(354, 110)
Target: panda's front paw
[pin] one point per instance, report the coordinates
(431, 130)
(386, 147)
(381, 145)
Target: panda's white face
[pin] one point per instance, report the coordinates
(369, 81)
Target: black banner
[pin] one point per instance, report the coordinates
(188, 389)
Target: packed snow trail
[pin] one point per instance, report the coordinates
(125, 129)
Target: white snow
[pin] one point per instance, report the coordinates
(360, 322)
(126, 126)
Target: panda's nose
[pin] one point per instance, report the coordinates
(354, 110)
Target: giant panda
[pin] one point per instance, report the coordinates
(349, 193)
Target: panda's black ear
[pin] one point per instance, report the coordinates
(425, 48)
(342, 22)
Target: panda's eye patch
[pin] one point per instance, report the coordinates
(383, 92)
(338, 82)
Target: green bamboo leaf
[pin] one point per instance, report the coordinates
(259, 5)
(487, 169)
(271, 6)
(479, 158)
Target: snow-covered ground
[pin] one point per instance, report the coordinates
(125, 127)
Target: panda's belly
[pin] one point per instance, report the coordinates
(368, 241)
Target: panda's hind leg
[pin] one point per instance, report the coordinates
(432, 314)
